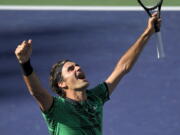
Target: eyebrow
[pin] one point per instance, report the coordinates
(72, 66)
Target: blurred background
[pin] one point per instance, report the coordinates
(147, 100)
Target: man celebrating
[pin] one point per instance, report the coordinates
(76, 110)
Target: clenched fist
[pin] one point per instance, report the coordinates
(24, 51)
(154, 20)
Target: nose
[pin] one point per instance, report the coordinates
(78, 68)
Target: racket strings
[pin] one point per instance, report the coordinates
(150, 3)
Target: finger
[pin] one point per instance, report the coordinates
(153, 19)
(155, 14)
(29, 41)
(23, 43)
(24, 47)
(19, 49)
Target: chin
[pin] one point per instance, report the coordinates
(83, 86)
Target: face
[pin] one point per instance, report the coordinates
(73, 77)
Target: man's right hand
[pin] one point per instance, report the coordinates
(24, 51)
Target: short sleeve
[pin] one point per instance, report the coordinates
(101, 91)
(51, 116)
(56, 105)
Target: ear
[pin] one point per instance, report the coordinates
(62, 84)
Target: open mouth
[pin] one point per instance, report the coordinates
(81, 76)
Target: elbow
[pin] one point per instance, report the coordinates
(126, 68)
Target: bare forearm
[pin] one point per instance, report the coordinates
(129, 58)
(33, 84)
(43, 98)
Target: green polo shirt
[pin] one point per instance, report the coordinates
(69, 117)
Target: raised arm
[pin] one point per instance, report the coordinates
(127, 61)
(43, 98)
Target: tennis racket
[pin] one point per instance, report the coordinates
(150, 6)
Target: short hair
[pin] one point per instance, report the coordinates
(56, 77)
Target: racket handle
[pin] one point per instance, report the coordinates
(160, 46)
(157, 29)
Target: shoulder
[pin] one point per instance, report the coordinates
(100, 91)
(102, 87)
(57, 104)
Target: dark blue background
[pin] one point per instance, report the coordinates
(147, 100)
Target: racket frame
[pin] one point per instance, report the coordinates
(158, 5)
(160, 47)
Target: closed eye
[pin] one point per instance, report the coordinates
(71, 68)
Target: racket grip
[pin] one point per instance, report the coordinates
(160, 46)
(157, 29)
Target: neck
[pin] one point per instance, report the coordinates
(77, 95)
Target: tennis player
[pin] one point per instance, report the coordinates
(76, 110)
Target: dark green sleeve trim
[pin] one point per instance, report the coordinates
(107, 89)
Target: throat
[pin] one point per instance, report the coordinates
(77, 95)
